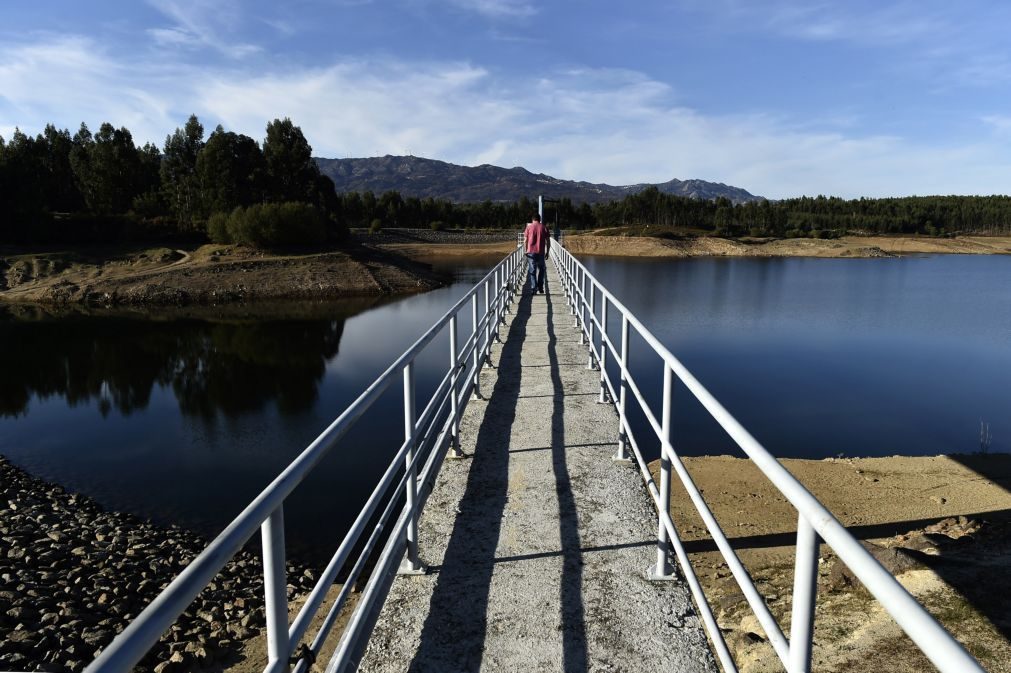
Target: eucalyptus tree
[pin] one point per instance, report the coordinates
(231, 172)
(179, 171)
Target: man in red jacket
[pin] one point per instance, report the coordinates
(537, 241)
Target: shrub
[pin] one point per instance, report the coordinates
(217, 228)
(376, 226)
(438, 225)
(267, 225)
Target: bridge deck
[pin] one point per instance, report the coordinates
(538, 543)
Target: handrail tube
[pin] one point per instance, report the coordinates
(389, 554)
(769, 624)
(707, 612)
(342, 596)
(936, 643)
(319, 592)
(145, 630)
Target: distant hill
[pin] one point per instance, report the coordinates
(416, 176)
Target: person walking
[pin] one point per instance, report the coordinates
(537, 240)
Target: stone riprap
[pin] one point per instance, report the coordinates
(73, 575)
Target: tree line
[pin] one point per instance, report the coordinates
(85, 187)
(58, 187)
(819, 217)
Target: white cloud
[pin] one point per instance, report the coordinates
(497, 8)
(614, 126)
(201, 24)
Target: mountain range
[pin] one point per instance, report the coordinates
(420, 177)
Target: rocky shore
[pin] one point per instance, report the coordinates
(73, 575)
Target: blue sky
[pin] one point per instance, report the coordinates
(781, 98)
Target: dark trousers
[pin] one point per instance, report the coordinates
(536, 270)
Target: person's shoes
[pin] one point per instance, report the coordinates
(540, 291)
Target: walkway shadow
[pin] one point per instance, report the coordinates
(453, 636)
(574, 657)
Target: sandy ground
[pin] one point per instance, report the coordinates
(847, 246)
(958, 569)
(207, 274)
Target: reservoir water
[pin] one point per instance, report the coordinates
(183, 418)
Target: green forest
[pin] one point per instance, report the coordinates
(227, 187)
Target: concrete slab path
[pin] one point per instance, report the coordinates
(537, 542)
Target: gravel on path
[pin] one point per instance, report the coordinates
(538, 543)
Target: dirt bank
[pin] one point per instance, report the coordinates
(848, 246)
(941, 524)
(209, 274)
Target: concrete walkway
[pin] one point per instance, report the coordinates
(538, 543)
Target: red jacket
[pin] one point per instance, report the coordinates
(536, 237)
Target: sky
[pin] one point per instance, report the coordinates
(782, 98)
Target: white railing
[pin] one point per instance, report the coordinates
(590, 304)
(408, 479)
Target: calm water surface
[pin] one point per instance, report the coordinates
(184, 420)
(821, 357)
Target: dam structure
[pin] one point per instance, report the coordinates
(518, 526)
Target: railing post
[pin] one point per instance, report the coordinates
(498, 306)
(487, 326)
(604, 396)
(581, 314)
(275, 591)
(477, 347)
(454, 363)
(503, 294)
(412, 564)
(622, 453)
(589, 358)
(572, 294)
(662, 570)
(805, 590)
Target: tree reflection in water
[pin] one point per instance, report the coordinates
(213, 365)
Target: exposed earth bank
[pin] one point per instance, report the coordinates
(390, 262)
(428, 247)
(941, 525)
(599, 243)
(209, 274)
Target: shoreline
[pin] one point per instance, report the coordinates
(598, 244)
(391, 263)
(206, 275)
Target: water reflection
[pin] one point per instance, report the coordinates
(184, 416)
(231, 367)
(820, 357)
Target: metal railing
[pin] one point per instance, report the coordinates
(590, 304)
(408, 479)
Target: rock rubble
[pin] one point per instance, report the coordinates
(72, 576)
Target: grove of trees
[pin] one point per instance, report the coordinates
(102, 187)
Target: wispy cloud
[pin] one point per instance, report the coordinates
(200, 23)
(603, 125)
(497, 8)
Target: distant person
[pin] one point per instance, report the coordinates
(537, 241)
(558, 232)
